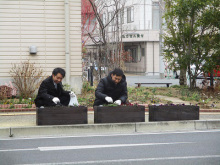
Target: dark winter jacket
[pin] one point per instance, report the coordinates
(107, 87)
(47, 91)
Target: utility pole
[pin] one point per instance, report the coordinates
(144, 16)
(162, 68)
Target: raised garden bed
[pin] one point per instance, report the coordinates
(173, 112)
(16, 106)
(119, 114)
(61, 115)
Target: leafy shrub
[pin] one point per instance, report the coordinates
(176, 86)
(169, 93)
(67, 87)
(86, 88)
(5, 92)
(154, 91)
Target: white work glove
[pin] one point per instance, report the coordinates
(117, 102)
(72, 94)
(109, 99)
(56, 100)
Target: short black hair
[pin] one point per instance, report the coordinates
(117, 72)
(59, 70)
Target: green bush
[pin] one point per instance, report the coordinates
(86, 88)
(67, 87)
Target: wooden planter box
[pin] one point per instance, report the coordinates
(173, 112)
(61, 115)
(119, 114)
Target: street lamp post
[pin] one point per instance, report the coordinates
(90, 74)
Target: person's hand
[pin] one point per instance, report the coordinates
(72, 94)
(117, 102)
(109, 99)
(56, 100)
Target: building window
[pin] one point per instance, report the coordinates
(155, 16)
(134, 55)
(131, 54)
(110, 16)
(122, 16)
(104, 19)
(130, 14)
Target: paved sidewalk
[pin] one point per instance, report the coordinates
(23, 125)
(27, 119)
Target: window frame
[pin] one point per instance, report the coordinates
(130, 14)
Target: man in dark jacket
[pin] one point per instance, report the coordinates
(112, 89)
(51, 91)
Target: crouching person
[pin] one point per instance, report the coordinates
(112, 89)
(51, 92)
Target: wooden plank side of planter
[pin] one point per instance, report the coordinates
(61, 115)
(173, 113)
(119, 114)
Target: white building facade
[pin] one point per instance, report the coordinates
(53, 27)
(141, 36)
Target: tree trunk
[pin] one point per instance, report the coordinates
(190, 76)
(193, 81)
(211, 80)
(99, 63)
(182, 80)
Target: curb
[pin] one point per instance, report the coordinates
(85, 129)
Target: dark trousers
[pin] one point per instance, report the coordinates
(64, 100)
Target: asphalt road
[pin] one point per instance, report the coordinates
(191, 148)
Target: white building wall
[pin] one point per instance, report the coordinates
(40, 23)
(143, 21)
(142, 25)
(152, 61)
(142, 14)
(156, 58)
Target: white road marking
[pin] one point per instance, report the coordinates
(104, 146)
(24, 149)
(106, 135)
(56, 148)
(129, 160)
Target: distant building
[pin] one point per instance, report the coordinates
(141, 18)
(140, 36)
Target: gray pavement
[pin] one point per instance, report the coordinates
(24, 125)
(27, 119)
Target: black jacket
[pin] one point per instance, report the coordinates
(47, 92)
(107, 87)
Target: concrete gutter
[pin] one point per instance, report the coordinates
(85, 129)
